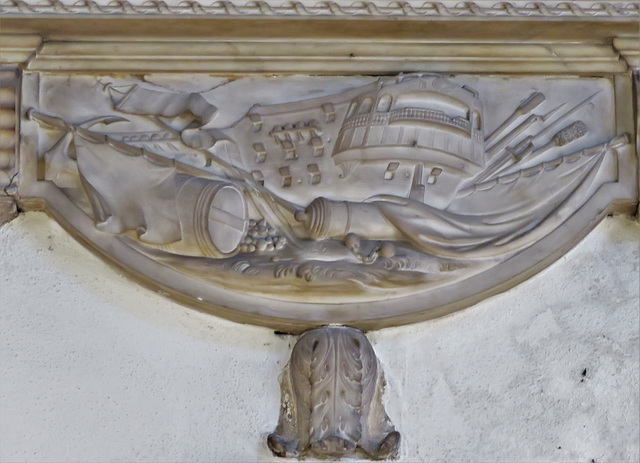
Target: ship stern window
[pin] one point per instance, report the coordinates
(352, 109)
(329, 112)
(258, 177)
(289, 150)
(384, 104)
(433, 101)
(477, 121)
(433, 176)
(256, 120)
(365, 106)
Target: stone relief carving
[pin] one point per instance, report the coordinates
(295, 202)
(335, 190)
(332, 399)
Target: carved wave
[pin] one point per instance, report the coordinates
(329, 8)
(296, 280)
(310, 271)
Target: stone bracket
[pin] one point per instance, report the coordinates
(332, 399)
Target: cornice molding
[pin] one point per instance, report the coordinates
(18, 48)
(314, 56)
(629, 49)
(528, 10)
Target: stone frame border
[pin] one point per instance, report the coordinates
(31, 40)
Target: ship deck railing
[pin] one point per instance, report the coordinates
(407, 114)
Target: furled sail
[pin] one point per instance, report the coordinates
(505, 215)
(139, 100)
(127, 191)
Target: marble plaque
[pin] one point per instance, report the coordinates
(299, 201)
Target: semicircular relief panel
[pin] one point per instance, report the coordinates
(300, 201)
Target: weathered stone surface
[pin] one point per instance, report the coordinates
(408, 196)
(332, 399)
(8, 209)
(90, 358)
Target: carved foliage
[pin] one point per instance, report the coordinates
(331, 399)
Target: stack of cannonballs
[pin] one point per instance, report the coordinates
(261, 237)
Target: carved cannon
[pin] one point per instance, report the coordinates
(324, 218)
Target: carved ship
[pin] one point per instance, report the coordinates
(427, 123)
(412, 136)
(338, 158)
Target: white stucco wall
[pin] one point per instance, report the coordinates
(94, 368)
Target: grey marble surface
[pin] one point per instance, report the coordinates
(96, 368)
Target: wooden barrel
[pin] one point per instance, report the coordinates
(213, 215)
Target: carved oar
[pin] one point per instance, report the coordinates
(522, 149)
(528, 122)
(528, 105)
(532, 138)
(525, 150)
(47, 122)
(563, 137)
(614, 143)
(565, 116)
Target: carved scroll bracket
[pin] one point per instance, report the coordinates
(332, 399)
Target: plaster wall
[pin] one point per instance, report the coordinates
(95, 368)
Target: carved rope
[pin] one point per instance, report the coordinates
(326, 8)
